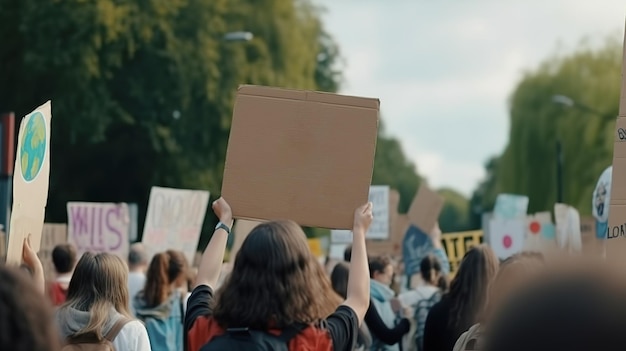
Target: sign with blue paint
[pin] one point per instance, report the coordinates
(415, 246)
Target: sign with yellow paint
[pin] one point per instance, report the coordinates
(315, 244)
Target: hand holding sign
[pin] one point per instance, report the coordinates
(223, 211)
(363, 218)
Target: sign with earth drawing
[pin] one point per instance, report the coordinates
(30, 181)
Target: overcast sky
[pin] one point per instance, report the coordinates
(444, 70)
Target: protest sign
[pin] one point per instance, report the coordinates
(174, 220)
(30, 182)
(301, 155)
(53, 235)
(509, 206)
(98, 227)
(379, 197)
(507, 236)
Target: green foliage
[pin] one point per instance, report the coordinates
(455, 213)
(391, 167)
(120, 72)
(591, 77)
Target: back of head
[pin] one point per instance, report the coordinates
(166, 268)
(276, 281)
(468, 290)
(99, 282)
(514, 272)
(430, 269)
(339, 278)
(572, 309)
(137, 256)
(64, 258)
(347, 253)
(26, 322)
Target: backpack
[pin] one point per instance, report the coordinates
(422, 308)
(91, 342)
(254, 340)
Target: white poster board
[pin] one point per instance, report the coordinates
(30, 182)
(174, 220)
(379, 197)
(98, 227)
(340, 236)
(507, 236)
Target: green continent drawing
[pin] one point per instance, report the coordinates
(33, 146)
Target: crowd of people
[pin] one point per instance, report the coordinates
(278, 296)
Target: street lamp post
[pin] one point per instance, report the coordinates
(570, 103)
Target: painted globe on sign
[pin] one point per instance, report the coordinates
(33, 146)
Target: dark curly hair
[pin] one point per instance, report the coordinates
(275, 282)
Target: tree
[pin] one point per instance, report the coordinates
(391, 167)
(454, 216)
(527, 166)
(143, 91)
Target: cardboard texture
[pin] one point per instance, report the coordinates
(300, 155)
(425, 209)
(53, 235)
(241, 230)
(540, 233)
(592, 245)
(98, 227)
(616, 231)
(174, 220)
(30, 182)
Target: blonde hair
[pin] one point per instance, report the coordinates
(98, 284)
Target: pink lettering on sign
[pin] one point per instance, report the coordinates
(98, 227)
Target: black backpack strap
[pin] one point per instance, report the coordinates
(291, 331)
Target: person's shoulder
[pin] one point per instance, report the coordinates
(133, 328)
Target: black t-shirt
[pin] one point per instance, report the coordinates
(342, 326)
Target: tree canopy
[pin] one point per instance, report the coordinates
(590, 77)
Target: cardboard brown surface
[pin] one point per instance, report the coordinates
(425, 209)
(30, 182)
(53, 234)
(616, 236)
(300, 155)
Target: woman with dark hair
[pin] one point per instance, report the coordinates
(513, 274)
(160, 304)
(460, 308)
(277, 291)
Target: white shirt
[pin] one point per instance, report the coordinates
(132, 337)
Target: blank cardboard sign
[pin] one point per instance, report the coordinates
(300, 155)
(616, 231)
(425, 209)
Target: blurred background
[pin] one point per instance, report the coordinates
(477, 97)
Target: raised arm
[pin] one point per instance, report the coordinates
(30, 258)
(358, 294)
(211, 262)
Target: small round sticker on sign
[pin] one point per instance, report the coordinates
(535, 227)
(507, 241)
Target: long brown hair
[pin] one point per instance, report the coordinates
(99, 282)
(26, 318)
(339, 279)
(469, 288)
(275, 282)
(165, 268)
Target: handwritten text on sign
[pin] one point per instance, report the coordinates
(98, 227)
(379, 197)
(174, 220)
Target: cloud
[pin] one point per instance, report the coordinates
(444, 70)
